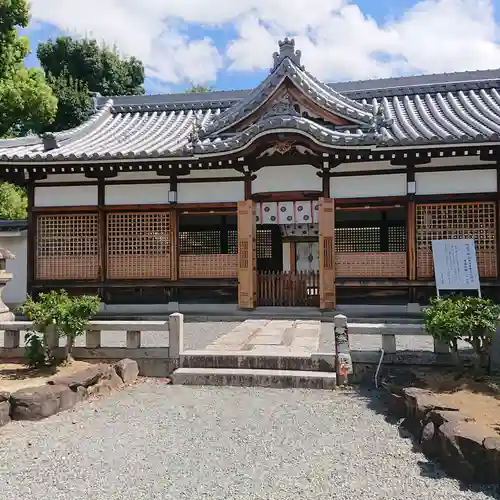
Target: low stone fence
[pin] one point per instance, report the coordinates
(152, 361)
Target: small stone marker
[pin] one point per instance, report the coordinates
(342, 349)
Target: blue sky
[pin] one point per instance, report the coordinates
(230, 45)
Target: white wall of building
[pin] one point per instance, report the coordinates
(286, 178)
(210, 192)
(368, 186)
(460, 181)
(136, 194)
(65, 196)
(14, 293)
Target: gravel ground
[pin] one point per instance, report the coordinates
(155, 441)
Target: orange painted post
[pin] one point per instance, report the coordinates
(327, 291)
(247, 262)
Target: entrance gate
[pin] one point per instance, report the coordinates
(307, 280)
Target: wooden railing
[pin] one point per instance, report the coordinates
(288, 289)
(152, 361)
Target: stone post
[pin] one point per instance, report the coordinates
(342, 349)
(5, 277)
(175, 335)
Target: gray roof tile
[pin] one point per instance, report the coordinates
(432, 109)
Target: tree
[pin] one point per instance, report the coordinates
(198, 88)
(13, 202)
(27, 103)
(78, 68)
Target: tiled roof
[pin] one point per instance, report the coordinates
(434, 109)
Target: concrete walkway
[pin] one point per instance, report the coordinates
(271, 337)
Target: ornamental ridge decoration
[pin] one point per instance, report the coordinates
(283, 106)
(287, 50)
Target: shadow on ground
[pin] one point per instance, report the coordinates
(377, 401)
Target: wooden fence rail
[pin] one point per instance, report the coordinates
(287, 288)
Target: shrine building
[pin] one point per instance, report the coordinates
(295, 193)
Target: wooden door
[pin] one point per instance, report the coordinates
(327, 294)
(247, 264)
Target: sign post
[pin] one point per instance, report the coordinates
(455, 265)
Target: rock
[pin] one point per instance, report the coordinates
(4, 396)
(36, 403)
(127, 370)
(396, 405)
(83, 378)
(4, 413)
(440, 417)
(461, 449)
(108, 382)
(420, 401)
(492, 460)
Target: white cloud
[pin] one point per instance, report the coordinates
(337, 39)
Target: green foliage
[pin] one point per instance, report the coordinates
(462, 318)
(13, 202)
(77, 68)
(26, 101)
(69, 316)
(74, 102)
(36, 351)
(199, 88)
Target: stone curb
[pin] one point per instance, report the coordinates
(444, 434)
(62, 393)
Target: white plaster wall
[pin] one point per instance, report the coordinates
(366, 166)
(136, 194)
(367, 186)
(65, 178)
(286, 178)
(211, 173)
(455, 161)
(65, 196)
(460, 181)
(210, 192)
(14, 293)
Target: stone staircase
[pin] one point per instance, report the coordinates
(250, 369)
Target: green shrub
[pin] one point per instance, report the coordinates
(471, 319)
(55, 310)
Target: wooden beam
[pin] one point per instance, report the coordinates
(174, 245)
(327, 253)
(103, 232)
(498, 221)
(31, 240)
(247, 264)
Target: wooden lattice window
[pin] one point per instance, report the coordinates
(232, 242)
(264, 242)
(357, 239)
(138, 245)
(475, 221)
(396, 238)
(67, 247)
(202, 242)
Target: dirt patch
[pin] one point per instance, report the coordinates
(15, 376)
(475, 397)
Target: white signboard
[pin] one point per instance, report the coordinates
(455, 265)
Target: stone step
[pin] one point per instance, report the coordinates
(250, 361)
(254, 378)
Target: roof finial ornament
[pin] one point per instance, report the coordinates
(287, 50)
